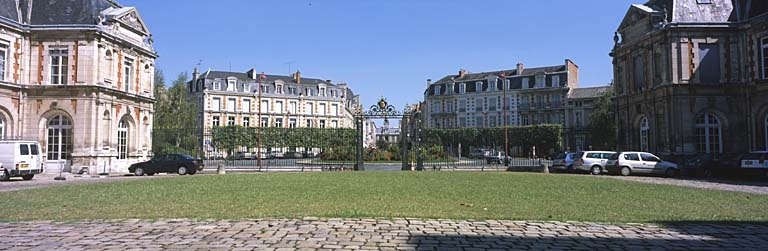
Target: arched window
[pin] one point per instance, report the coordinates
(708, 134)
(644, 129)
(59, 138)
(122, 140)
(2, 127)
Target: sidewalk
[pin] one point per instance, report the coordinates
(375, 234)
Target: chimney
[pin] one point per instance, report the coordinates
(297, 77)
(429, 82)
(252, 74)
(462, 72)
(519, 68)
(195, 74)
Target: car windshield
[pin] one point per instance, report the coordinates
(578, 155)
(614, 156)
(184, 156)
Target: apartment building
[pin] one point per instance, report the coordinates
(254, 99)
(78, 81)
(512, 97)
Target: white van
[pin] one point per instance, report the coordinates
(20, 158)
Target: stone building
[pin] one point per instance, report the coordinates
(691, 76)
(78, 81)
(254, 99)
(510, 97)
(578, 111)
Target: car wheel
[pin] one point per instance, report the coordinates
(625, 171)
(596, 170)
(139, 171)
(27, 176)
(670, 173)
(182, 170)
(192, 171)
(5, 176)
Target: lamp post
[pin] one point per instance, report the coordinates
(504, 117)
(262, 77)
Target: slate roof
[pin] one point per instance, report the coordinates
(508, 73)
(243, 77)
(588, 92)
(55, 12)
(9, 10)
(49, 12)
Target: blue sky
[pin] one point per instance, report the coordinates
(382, 48)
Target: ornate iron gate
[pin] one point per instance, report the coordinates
(381, 110)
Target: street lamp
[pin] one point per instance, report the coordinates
(262, 77)
(504, 117)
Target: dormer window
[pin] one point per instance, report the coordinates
(292, 90)
(321, 92)
(462, 88)
(508, 84)
(264, 88)
(278, 88)
(450, 89)
(231, 84)
(555, 81)
(246, 87)
(540, 80)
(437, 90)
(525, 83)
(216, 85)
(309, 92)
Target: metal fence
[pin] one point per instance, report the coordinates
(262, 149)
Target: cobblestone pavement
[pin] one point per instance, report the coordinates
(375, 234)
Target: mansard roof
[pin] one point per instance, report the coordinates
(243, 77)
(508, 73)
(56, 12)
(588, 92)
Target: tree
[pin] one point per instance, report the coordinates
(602, 124)
(174, 128)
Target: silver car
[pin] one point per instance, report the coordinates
(591, 161)
(626, 163)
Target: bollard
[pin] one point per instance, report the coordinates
(545, 168)
(220, 169)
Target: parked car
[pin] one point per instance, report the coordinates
(591, 161)
(709, 165)
(309, 154)
(626, 163)
(563, 162)
(755, 162)
(497, 157)
(292, 155)
(276, 155)
(479, 153)
(168, 163)
(244, 155)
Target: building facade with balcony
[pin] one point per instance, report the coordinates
(578, 111)
(513, 97)
(251, 99)
(691, 76)
(78, 81)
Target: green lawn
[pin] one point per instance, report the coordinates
(454, 195)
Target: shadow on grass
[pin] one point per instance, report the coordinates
(668, 236)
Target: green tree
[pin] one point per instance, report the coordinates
(602, 124)
(174, 128)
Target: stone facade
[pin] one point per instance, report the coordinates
(691, 77)
(80, 84)
(513, 97)
(578, 111)
(251, 99)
